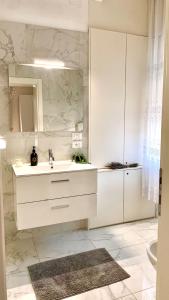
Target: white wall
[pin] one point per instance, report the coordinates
(64, 14)
(120, 15)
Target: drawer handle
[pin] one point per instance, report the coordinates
(60, 206)
(61, 180)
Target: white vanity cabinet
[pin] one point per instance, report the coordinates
(109, 199)
(120, 198)
(54, 197)
(57, 185)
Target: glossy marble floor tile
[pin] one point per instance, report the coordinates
(24, 292)
(149, 294)
(119, 290)
(119, 241)
(18, 279)
(129, 297)
(97, 294)
(20, 254)
(131, 255)
(126, 243)
(54, 246)
(139, 280)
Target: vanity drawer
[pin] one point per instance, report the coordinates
(72, 184)
(32, 188)
(43, 213)
(58, 185)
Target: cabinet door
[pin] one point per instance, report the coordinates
(136, 207)
(107, 94)
(109, 199)
(136, 70)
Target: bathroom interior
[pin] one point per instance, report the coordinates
(81, 82)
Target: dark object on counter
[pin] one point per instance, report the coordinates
(34, 157)
(79, 158)
(117, 165)
(134, 165)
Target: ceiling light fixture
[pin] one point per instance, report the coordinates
(48, 64)
(2, 143)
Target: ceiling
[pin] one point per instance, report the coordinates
(67, 14)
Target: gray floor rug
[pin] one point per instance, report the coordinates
(72, 275)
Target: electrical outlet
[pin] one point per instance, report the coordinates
(77, 144)
(76, 136)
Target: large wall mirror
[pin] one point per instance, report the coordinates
(45, 98)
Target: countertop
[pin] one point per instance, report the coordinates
(44, 168)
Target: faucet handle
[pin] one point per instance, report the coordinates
(51, 154)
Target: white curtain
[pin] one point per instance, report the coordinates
(153, 106)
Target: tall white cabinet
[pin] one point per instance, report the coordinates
(136, 70)
(107, 95)
(117, 85)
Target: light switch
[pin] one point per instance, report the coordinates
(76, 136)
(77, 144)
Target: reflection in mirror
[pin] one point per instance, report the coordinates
(45, 99)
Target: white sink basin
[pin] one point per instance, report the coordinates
(61, 165)
(45, 168)
(152, 253)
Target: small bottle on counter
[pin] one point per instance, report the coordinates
(34, 157)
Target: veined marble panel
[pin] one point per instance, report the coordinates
(22, 43)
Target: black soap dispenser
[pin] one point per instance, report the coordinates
(34, 157)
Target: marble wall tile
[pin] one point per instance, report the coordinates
(59, 143)
(3, 74)
(59, 44)
(4, 109)
(22, 43)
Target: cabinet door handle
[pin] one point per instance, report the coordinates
(60, 180)
(60, 206)
(160, 192)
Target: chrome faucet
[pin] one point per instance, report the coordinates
(51, 158)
